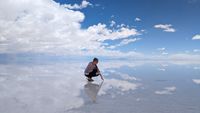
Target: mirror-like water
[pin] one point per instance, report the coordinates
(129, 87)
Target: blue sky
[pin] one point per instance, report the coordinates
(184, 15)
(101, 28)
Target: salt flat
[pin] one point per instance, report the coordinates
(129, 87)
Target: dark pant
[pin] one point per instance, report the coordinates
(92, 74)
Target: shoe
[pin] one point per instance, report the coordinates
(90, 79)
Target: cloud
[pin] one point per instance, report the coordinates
(165, 27)
(124, 76)
(100, 32)
(161, 49)
(112, 23)
(164, 65)
(127, 41)
(197, 81)
(165, 53)
(166, 91)
(196, 50)
(184, 57)
(196, 37)
(124, 42)
(34, 89)
(56, 87)
(84, 4)
(161, 69)
(118, 64)
(128, 77)
(44, 26)
(138, 19)
(121, 25)
(196, 68)
(122, 85)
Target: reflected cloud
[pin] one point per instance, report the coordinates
(161, 69)
(123, 76)
(128, 77)
(53, 87)
(184, 62)
(166, 91)
(28, 88)
(164, 65)
(92, 89)
(197, 68)
(120, 86)
(120, 63)
(196, 81)
(61, 87)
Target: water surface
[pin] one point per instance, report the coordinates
(129, 87)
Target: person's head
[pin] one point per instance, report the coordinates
(95, 60)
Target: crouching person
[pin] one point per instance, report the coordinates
(92, 70)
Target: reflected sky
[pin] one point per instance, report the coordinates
(129, 87)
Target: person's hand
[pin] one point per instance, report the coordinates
(102, 78)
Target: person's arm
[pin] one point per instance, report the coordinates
(99, 73)
(101, 76)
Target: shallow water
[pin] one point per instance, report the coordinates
(129, 87)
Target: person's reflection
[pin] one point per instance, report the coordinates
(92, 89)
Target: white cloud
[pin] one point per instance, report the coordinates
(122, 85)
(112, 23)
(56, 87)
(196, 37)
(112, 47)
(101, 33)
(161, 49)
(128, 77)
(197, 81)
(127, 41)
(166, 91)
(161, 69)
(196, 68)
(84, 4)
(124, 42)
(165, 27)
(51, 91)
(121, 25)
(196, 50)
(123, 75)
(138, 19)
(164, 65)
(165, 53)
(118, 64)
(44, 26)
(184, 57)
(112, 16)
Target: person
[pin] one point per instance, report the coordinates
(92, 70)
